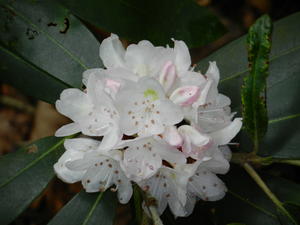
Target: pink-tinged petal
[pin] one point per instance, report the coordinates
(168, 76)
(224, 136)
(182, 57)
(185, 96)
(67, 130)
(112, 85)
(195, 144)
(202, 100)
(172, 136)
(112, 52)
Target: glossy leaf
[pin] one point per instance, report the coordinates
(246, 203)
(44, 49)
(286, 190)
(255, 115)
(88, 209)
(283, 136)
(153, 20)
(25, 174)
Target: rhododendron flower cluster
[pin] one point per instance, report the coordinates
(148, 118)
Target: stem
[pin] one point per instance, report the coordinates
(267, 191)
(154, 215)
(293, 162)
(240, 158)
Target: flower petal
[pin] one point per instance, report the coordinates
(213, 72)
(224, 136)
(141, 161)
(206, 185)
(112, 52)
(168, 76)
(172, 136)
(67, 130)
(182, 57)
(186, 95)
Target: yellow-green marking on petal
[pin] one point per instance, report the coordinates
(151, 93)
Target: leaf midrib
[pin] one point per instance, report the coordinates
(34, 67)
(52, 39)
(92, 209)
(32, 163)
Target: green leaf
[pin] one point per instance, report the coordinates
(255, 115)
(153, 20)
(286, 190)
(25, 174)
(88, 209)
(43, 48)
(245, 202)
(283, 137)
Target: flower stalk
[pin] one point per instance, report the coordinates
(266, 190)
(257, 161)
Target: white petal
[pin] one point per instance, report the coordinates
(224, 136)
(141, 161)
(168, 152)
(169, 112)
(110, 140)
(168, 76)
(63, 172)
(137, 57)
(183, 58)
(196, 138)
(204, 94)
(67, 130)
(218, 163)
(168, 186)
(87, 73)
(81, 144)
(206, 185)
(112, 52)
(226, 152)
(213, 72)
(74, 104)
(172, 136)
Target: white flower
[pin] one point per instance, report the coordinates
(168, 186)
(144, 156)
(204, 184)
(163, 126)
(143, 59)
(145, 110)
(97, 170)
(93, 113)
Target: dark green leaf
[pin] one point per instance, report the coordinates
(88, 209)
(153, 20)
(44, 49)
(255, 116)
(287, 191)
(25, 174)
(245, 202)
(283, 137)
